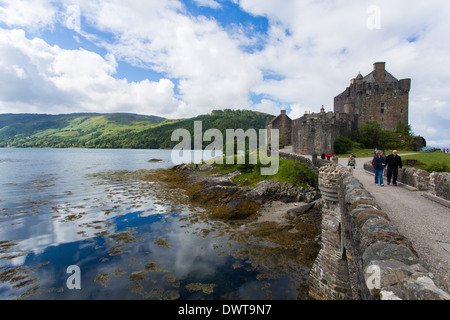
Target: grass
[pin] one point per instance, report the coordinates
(290, 171)
(429, 161)
(434, 161)
(368, 153)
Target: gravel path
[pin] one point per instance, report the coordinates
(424, 222)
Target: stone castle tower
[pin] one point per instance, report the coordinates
(379, 96)
(282, 123)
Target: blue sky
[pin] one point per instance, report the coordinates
(181, 58)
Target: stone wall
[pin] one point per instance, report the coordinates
(316, 133)
(329, 276)
(285, 192)
(437, 184)
(363, 256)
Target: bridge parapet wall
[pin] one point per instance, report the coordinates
(436, 183)
(363, 256)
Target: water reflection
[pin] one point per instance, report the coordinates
(130, 238)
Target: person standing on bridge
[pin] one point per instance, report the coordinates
(335, 159)
(378, 167)
(394, 163)
(352, 163)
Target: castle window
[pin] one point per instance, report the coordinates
(382, 108)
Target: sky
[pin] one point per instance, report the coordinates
(182, 58)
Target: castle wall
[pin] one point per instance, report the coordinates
(317, 133)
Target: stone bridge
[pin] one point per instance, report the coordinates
(363, 256)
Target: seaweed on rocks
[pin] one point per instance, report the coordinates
(272, 229)
(283, 243)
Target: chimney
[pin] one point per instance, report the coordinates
(283, 112)
(380, 71)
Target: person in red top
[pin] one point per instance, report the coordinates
(328, 156)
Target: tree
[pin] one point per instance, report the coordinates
(404, 129)
(370, 135)
(343, 145)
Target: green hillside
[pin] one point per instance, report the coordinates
(70, 130)
(159, 137)
(113, 130)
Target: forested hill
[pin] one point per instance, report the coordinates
(131, 131)
(68, 130)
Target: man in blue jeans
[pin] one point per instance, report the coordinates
(378, 167)
(393, 162)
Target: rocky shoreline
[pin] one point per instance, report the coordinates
(274, 228)
(241, 202)
(277, 224)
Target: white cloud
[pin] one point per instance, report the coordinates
(212, 70)
(311, 51)
(208, 3)
(267, 106)
(297, 111)
(38, 76)
(32, 15)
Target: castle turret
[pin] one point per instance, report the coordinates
(405, 85)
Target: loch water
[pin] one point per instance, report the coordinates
(66, 208)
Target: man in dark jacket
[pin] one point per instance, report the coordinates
(393, 162)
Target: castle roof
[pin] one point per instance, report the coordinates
(371, 78)
(282, 115)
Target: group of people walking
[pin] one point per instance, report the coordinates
(393, 162)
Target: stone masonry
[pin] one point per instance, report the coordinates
(363, 256)
(329, 276)
(379, 96)
(284, 124)
(316, 133)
